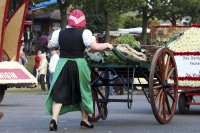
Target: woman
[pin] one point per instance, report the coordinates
(70, 88)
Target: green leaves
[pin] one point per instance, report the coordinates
(126, 39)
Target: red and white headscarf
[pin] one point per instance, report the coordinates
(77, 19)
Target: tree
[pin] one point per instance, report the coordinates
(177, 9)
(107, 7)
(13, 5)
(63, 5)
(95, 22)
(193, 10)
(147, 9)
(132, 21)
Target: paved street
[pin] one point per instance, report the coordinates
(25, 113)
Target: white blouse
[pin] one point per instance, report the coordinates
(87, 36)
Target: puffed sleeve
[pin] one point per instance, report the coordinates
(54, 39)
(88, 38)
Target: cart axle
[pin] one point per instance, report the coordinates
(166, 85)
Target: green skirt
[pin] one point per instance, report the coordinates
(85, 89)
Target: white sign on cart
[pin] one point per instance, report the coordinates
(188, 66)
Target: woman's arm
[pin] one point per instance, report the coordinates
(101, 46)
(90, 40)
(54, 39)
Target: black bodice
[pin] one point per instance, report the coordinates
(71, 43)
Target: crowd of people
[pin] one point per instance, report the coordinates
(45, 66)
(45, 59)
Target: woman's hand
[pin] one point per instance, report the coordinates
(110, 47)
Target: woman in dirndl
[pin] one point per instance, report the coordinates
(70, 88)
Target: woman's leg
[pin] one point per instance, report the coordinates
(84, 114)
(84, 123)
(56, 109)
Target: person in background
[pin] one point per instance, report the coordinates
(43, 70)
(46, 78)
(70, 88)
(28, 37)
(22, 44)
(101, 39)
(23, 61)
(52, 64)
(37, 63)
(43, 40)
(1, 115)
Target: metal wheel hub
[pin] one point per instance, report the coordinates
(166, 85)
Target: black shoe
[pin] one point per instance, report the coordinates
(84, 125)
(53, 125)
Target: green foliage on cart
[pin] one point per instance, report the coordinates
(126, 39)
(105, 57)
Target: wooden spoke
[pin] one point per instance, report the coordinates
(157, 86)
(158, 95)
(160, 104)
(158, 77)
(163, 65)
(170, 73)
(170, 95)
(167, 66)
(164, 107)
(168, 105)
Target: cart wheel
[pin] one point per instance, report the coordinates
(104, 112)
(2, 92)
(163, 85)
(182, 106)
(97, 94)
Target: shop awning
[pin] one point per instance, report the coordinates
(43, 4)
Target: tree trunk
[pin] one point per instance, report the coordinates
(63, 18)
(144, 27)
(63, 15)
(173, 21)
(107, 26)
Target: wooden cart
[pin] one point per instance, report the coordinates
(161, 89)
